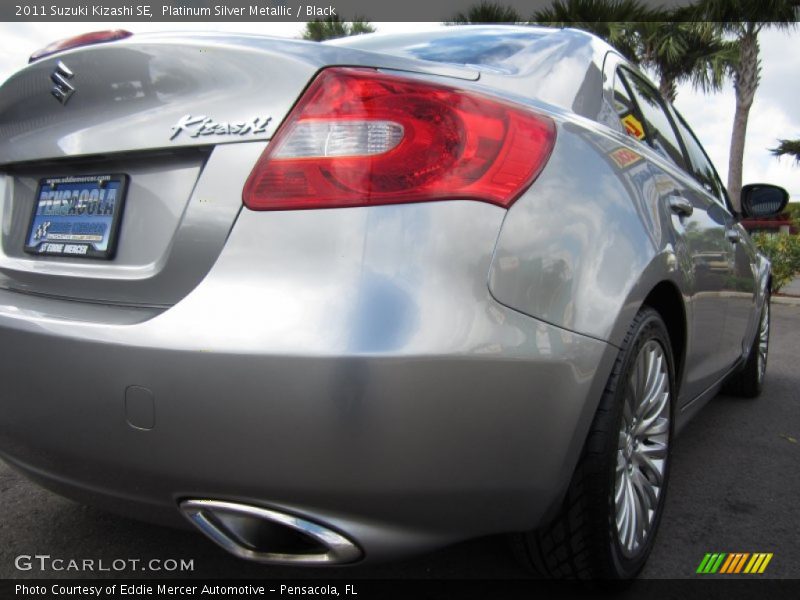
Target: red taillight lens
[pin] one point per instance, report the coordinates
(360, 138)
(87, 39)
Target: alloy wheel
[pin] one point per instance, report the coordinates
(642, 448)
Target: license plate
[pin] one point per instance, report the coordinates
(77, 216)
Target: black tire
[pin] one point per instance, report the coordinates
(748, 381)
(583, 540)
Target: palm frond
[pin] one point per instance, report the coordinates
(334, 27)
(596, 11)
(788, 147)
(487, 12)
(733, 13)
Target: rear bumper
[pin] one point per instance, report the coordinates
(405, 408)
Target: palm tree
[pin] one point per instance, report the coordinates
(360, 26)
(675, 50)
(788, 147)
(679, 51)
(333, 27)
(612, 20)
(744, 20)
(487, 12)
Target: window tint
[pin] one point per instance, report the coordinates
(701, 166)
(657, 126)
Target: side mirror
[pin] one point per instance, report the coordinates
(763, 200)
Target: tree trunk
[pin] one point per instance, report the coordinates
(668, 89)
(745, 84)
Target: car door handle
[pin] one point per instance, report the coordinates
(680, 206)
(734, 237)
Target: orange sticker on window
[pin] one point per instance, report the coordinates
(634, 127)
(624, 157)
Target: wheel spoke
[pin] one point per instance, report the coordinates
(640, 503)
(656, 429)
(653, 468)
(630, 497)
(653, 450)
(763, 340)
(638, 376)
(652, 368)
(654, 412)
(647, 492)
(623, 511)
(619, 493)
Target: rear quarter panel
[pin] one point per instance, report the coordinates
(577, 245)
(593, 236)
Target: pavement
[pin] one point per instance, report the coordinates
(734, 487)
(792, 288)
(789, 294)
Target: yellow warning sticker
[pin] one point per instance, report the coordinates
(634, 127)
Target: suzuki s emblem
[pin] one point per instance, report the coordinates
(62, 90)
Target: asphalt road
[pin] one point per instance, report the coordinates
(735, 487)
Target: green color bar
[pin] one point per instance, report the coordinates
(702, 567)
(718, 563)
(711, 562)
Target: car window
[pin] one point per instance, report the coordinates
(657, 127)
(701, 166)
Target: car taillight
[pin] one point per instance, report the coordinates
(358, 137)
(87, 39)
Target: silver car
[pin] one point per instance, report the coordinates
(348, 301)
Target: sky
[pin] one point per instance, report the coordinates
(775, 113)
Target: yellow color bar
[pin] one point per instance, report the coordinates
(758, 563)
(756, 558)
(765, 563)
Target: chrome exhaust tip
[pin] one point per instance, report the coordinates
(268, 536)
